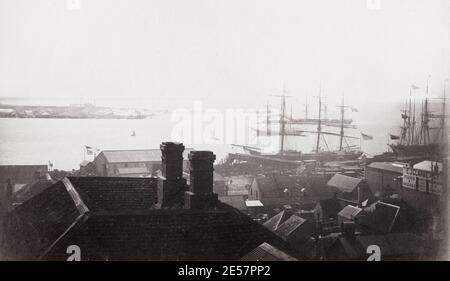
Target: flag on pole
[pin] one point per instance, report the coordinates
(366, 137)
(89, 150)
(394, 137)
(414, 87)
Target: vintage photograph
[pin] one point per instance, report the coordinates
(224, 130)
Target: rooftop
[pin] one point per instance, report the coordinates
(136, 155)
(274, 222)
(349, 212)
(395, 167)
(344, 183)
(267, 252)
(115, 219)
(427, 166)
(289, 226)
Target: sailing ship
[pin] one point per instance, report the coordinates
(346, 151)
(417, 140)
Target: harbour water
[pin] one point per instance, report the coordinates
(62, 141)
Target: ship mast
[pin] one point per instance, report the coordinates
(410, 130)
(342, 124)
(306, 108)
(424, 137)
(283, 120)
(268, 120)
(443, 116)
(319, 122)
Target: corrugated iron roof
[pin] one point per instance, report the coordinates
(137, 155)
(344, 183)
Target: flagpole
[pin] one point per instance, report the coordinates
(84, 153)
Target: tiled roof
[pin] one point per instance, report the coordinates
(45, 217)
(137, 155)
(344, 183)
(388, 166)
(267, 252)
(349, 212)
(30, 190)
(116, 193)
(167, 235)
(113, 219)
(40, 221)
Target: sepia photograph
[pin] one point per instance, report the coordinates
(232, 131)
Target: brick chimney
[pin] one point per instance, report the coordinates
(200, 194)
(171, 184)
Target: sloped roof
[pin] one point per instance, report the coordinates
(133, 170)
(136, 155)
(267, 252)
(274, 222)
(289, 226)
(379, 217)
(30, 190)
(273, 186)
(236, 201)
(349, 212)
(344, 183)
(268, 187)
(115, 219)
(392, 245)
(388, 166)
(116, 193)
(426, 165)
(223, 234)
(84, 163)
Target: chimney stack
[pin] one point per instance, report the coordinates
(171, 185)
(200, 194)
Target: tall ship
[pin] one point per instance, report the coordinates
(422, 135)
(322, 151)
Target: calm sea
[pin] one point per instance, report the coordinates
(62, 141)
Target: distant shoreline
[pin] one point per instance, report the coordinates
(84, 111)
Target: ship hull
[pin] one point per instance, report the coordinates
(415, 150)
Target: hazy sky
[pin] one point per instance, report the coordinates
(227, 52)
